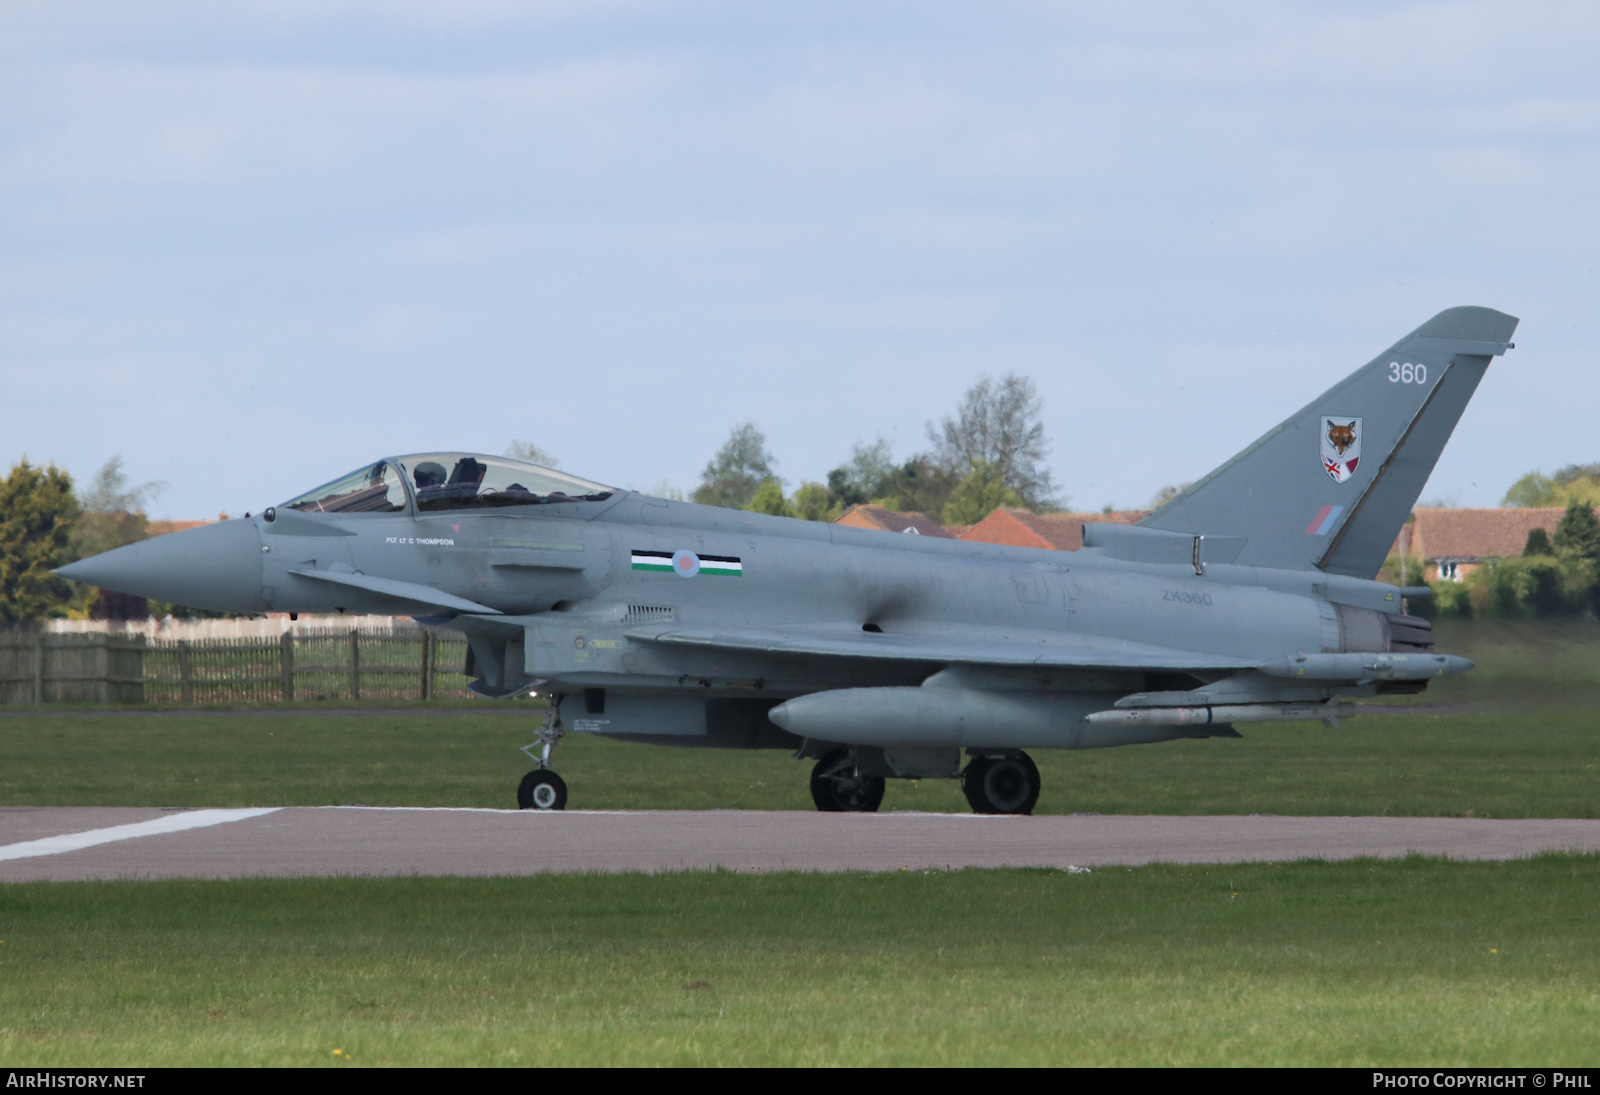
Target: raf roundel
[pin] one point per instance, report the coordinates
(686, 563)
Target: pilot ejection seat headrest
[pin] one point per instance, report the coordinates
(429, 474)
(468, 471)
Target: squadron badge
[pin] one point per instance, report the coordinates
(1341, 447)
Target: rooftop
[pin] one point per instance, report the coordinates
(1057, 531)
(887, 520)
(1471, 534)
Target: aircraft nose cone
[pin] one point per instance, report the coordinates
(215, 567)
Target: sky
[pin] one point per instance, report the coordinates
(249, 247)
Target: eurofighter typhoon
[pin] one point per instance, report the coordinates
(1248, 597)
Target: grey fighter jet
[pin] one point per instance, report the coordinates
(1248, 597)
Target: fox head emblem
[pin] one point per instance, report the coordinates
(1342, 437)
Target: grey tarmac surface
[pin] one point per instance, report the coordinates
(386, 841)
(20, 823)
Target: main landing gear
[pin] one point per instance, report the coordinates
(542, 789)
(837, 785)
(851, 779)
(1006, 784)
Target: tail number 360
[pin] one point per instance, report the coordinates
(1407, 373)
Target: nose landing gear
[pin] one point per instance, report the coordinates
(542, 789)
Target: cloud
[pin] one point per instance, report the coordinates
(261, 210)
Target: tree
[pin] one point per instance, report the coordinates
(533, 454)
(1578, 533)
(37, 512)
(112, 511)
(1531, 587)
(921, 486)
(734, 475)
(769, 499)
(1554, 576)
(866, 477)
(1573, 483)
(978, 495)
(111, 515)
(813, 502)
(998, 424)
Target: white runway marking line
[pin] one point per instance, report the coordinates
(172, 823)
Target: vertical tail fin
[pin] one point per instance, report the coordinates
(1331, 485)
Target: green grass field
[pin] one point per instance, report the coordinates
(1518, 737)
(1360, 963)
(1533, 763)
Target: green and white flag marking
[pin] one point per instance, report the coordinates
(686, 564)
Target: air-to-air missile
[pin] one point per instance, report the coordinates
(1249, 596)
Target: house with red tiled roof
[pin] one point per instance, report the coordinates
(887, 520)
(1455, 542)
(1054, 531)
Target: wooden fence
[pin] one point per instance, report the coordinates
(36, 667)
(360, 664)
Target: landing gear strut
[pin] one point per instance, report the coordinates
(1001, 785)
(542, 789)
(837, 785)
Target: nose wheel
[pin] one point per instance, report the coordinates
(1001, 785)
(542, 789)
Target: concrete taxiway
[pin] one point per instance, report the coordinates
(94, 843)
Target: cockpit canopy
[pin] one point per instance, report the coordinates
(452, 480)
(447, 481)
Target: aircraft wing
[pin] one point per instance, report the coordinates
(969, 646)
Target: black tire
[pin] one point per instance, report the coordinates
(843, 792)
(542, 789)
(1001, 785)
